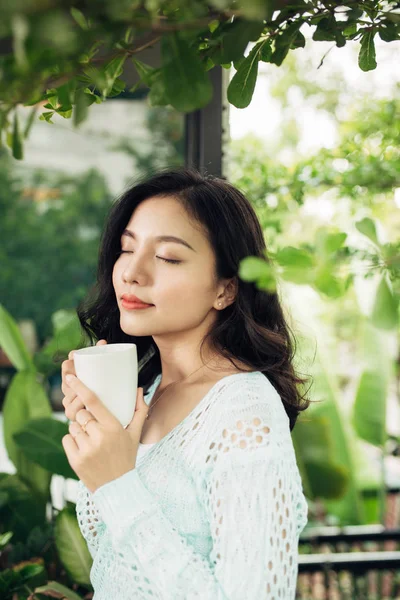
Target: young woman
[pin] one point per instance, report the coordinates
(201, 497)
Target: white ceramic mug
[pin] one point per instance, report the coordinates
(111, 372)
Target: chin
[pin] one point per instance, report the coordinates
(134, 330)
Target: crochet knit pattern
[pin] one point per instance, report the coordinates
(213, 511)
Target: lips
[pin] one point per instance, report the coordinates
(132, 299)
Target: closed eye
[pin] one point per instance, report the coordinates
(167, 260)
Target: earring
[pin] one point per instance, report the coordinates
(219, 303)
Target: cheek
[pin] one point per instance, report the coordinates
(116, 274)
(188, 291)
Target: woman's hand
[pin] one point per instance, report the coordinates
(98, 448)
(71, 402)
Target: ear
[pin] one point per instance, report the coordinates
(228, 292)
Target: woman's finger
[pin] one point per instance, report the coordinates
(72, 408)
(68, 398)
(68, 366)
(66, 390)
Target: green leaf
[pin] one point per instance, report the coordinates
(366, 57)
(65, 114)
(209, 64)
(30, 120)
(299, 41)
(369, 411)
(354, 14)
(72, 547)
(12, 342)
(350, 30)
(46, 116)
(31, 574)
(313, 441)
(52, 101)
(112, 70)
(329, 30)
(86, 57)
(324, 31)
(340, 39)
(284, 42)
(326, 282)
(65, 94)
(5, 538)
(252, 268)
(235, 40)
(294, 257)
(40, 441)
(25, 399)
(67, 336)
(388, 32)
(23, 510)
(256, 269)
(80, 111)
(17, 143)
(92, 97)
(117, 88)
(328, 243)
(298, 265)
(187, 85)
(393, 16)
(158, 94)
(58, 588)
(212, 26)
(146, 73)
(385, 311)
(330, 481)
(266, 51)
(79, 18)
(96, 77)
(241, 88)
(298, 275)
(367, 227)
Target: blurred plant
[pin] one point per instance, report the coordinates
(50, 231)
(84, 63)
(358, 178)
(35, 546)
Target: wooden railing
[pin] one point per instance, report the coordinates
(349, 563)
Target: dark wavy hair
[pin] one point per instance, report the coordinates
(252, 329)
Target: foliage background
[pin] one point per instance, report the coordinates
(297, 194)
(52, 220)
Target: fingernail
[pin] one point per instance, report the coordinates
(69, 378)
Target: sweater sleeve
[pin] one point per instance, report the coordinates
(90, 523)
(252, 501)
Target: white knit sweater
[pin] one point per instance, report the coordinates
(213, 511)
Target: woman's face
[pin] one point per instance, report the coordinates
(184, 294)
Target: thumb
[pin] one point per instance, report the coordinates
(140, 404)
(141, 410)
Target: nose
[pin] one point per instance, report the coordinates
(136, 269)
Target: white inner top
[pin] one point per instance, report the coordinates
(147, 398)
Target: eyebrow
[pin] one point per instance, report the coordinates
(161, 238)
